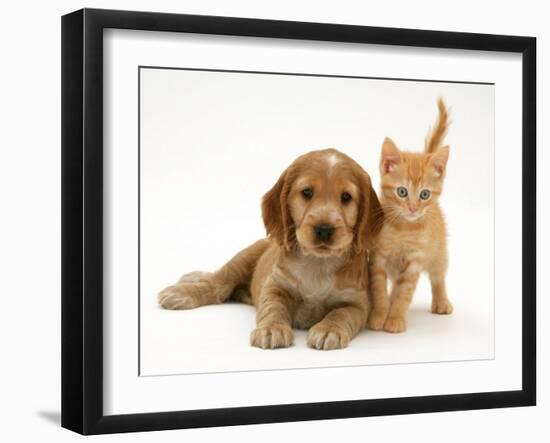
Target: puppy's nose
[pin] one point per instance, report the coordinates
(323, 231)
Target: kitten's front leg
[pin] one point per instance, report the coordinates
(403, 290)
(273, 319)
(440, 301)
(378, 296)
(339, 326)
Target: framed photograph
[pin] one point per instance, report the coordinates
(268, 221)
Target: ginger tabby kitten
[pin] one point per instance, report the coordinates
(413, 237)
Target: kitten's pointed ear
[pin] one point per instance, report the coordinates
(390, 156)
(439, 160)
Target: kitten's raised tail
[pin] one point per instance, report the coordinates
(434, 139)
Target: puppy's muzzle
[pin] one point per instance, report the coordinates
(323, 231)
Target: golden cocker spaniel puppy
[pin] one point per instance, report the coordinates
(311, 271)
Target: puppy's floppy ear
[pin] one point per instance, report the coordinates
(370, 216)
(277, 220)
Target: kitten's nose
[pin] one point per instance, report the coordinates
(323, 231)
(412, 209)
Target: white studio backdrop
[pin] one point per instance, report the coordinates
(30, 231)
(212, 143)
(222, 358)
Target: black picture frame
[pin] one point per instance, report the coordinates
(82, 220)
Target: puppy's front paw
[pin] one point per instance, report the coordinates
(395, 324)
(442, 306)
(376, 320)
(271, 337)
(178, 297)
(326, 337)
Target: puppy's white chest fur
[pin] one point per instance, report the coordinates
(312, 283)
(314, 280)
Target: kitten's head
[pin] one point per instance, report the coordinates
(411, 182)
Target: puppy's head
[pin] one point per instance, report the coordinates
(324, 202)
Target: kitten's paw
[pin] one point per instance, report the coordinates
(326, 337)
(271, 337)
(395, 324)
(443, 307)
(376, 320)
(178, 297)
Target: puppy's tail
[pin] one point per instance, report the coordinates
(434, 139)
(231, 281)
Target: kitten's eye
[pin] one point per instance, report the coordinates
(345, 197)
(307, 193)
(425, 194)
(402, 191)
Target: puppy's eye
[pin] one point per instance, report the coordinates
(425, 194)
(402, 191)
(345, 197)
(307, 193)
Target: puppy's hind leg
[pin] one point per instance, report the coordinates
(203, 288)
(195, 276)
